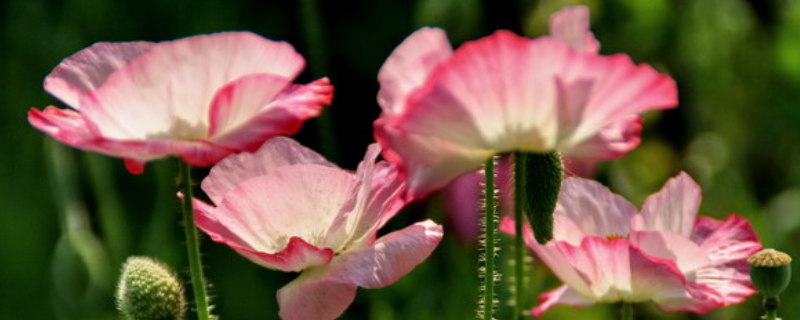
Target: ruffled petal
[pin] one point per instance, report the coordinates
(594, 209)
(409, 65)
(74, 129)
(620, 89)
(571, 25)
(552, 256)
(728, 243)
(283, 115)
(699, 299)
(312, 296)
(423, 172)
(562, 295)
(64, 125)
(617, 271)
(298, 201)
(296, 256)
(237, 102)
(613, 141)
(671, 246)
(730, 240)
(166, 92)
(88, 69)
(324, 293)
(275, 153)
(378, 199)
(610, 270)
(673, 208)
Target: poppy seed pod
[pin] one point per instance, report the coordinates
(770, 271)
(149, 290)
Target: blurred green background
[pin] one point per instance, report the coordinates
(68, 218)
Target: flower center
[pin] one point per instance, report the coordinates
(616, 237)
(183, 130)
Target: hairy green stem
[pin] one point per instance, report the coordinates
(490, 228)
(626, 311)
(519, 243)
(192, 243)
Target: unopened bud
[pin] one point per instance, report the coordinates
(541, 175)
(149, 290)
(770, 271)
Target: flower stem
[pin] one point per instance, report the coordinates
(626, 311)
(519, 244)
(771, 315)
(192, 244)
(490, 245)
(771, 308)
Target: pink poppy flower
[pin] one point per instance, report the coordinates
(286, 208)
(606, 251)
(200, 98)
(445, 112)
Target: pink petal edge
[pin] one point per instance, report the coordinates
(284, 115)
(409, 65)
(273, 154)
(297, 255)
(562, 295)
(89, 68)
(73, 129)
(571, 25)
(324, 293)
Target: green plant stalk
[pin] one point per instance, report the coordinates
(771, 308)
(74, 217)
(519, 243)
(626, 311)
(192, 243)
(109, 206)
(771, 315)
(490, 270)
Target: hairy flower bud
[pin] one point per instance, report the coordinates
(770, 271)
(149, 290)
(541, 182)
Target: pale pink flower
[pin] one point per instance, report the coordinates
(200, 98)
(606, 251)
(286, 208)
(445, 112)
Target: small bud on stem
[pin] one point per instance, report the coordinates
(149, 290)
(541, 184)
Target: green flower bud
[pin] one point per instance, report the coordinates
(541, 184)
(770, 271)
(149, 290)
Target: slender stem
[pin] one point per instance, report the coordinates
(519, 244)
(490, 227)
(771, 308)
(771, 315)
(626, 311)
(192, 244)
